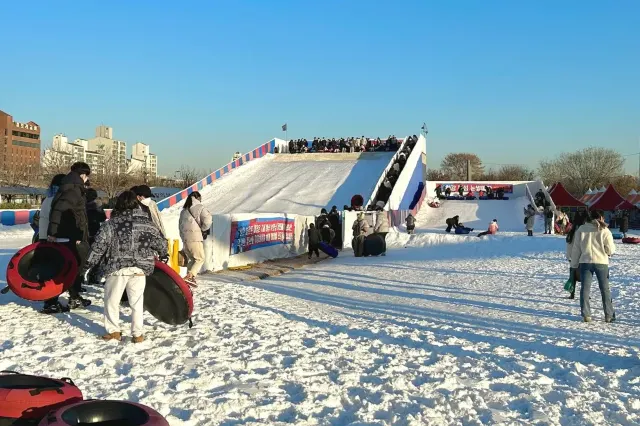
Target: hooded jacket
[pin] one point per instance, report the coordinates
(68, 216)
(493, 228)
(382, 222)
(151, 209)
(128, 240)
(360, 227)
(314, 237)
(193, 222)
(592, 243)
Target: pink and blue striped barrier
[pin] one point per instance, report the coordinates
(259, 152)
(23, 217)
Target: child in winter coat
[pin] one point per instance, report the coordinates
(411, 224)
(125, 249)
(314, 240)
(492, 230)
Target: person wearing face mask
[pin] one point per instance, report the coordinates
(144, 195)
(68, 225)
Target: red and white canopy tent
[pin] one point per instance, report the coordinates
(562, 198)
(610, 200)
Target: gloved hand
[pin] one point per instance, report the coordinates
(164, 259)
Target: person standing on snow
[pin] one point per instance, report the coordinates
(68, 225)
(624, 224)
(194, 225)
(45, 208)
(314, 240)
(561, 220)
(382, 227)
(411, 224)
(573, 272)
(145, 198)
(529, 219)
(548, 219)
(492, 230)
(125, 249)
(360, 229)
(334, 219)
(592, 247)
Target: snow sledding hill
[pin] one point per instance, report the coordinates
(478, 214)
(290, 183)
(474, 332)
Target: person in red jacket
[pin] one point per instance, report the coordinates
(493, 229)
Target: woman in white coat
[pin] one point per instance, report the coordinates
(195, 223)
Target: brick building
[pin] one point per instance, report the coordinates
(19, 145)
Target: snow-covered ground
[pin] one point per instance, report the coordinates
(451, 330)
(478, 214)
(275, 184)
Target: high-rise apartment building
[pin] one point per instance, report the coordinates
(141, 157)
(19, 144)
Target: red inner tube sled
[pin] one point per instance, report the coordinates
(631, 240)
(167, 297)
(104, 413)
(41, 271)
(26, 399)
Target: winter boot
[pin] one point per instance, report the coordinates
(586, 319)
(137, 339)
(78, 302)
(54, 308)
(116, 335)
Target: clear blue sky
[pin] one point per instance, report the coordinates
(514, 81)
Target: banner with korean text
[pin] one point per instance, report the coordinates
(261, 232)
(475, 187)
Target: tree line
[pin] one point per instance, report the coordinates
(579, 171)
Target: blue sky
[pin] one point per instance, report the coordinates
(514, 81)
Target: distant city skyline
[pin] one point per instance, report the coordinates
(513, 82)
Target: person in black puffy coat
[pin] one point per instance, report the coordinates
(624, 224)
(314, 240)
(452, 222)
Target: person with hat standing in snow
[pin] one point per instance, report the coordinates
(68, 225)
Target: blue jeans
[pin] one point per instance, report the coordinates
(602, 274)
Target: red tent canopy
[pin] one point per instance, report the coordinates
(562, 198)
(625, 205)
(608, 200)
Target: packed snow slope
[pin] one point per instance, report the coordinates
(452, 330)
(292, 183)
(478, 214)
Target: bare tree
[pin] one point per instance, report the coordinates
(515, 173)
(624, 184)
(189, 175)
(53, 163)
(584, 169)
(111, 176)
(436, 175)
(455, 165)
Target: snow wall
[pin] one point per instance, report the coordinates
(244, 239)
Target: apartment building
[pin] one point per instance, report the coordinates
(143, 160)
(19, 144)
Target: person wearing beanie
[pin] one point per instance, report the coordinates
(145, 199)
(68, 225)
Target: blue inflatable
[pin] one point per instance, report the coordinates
(462, 230)
(617, 235)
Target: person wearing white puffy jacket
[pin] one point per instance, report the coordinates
(592, 247)
(195, 223)
(382, 227)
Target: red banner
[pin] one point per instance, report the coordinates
(475, 187)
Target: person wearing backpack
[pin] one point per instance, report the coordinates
(194, 225)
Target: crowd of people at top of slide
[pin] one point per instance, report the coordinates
(352, 144)
(122, 250)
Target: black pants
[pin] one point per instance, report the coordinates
(482, 234)
(313, 248)
(449, 228)
(81, 252)
(384, 241)
(530, 233)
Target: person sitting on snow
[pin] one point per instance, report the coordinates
(461, 229)
(452, 222)
(447, 192)
(492, 230)
(411, 224)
